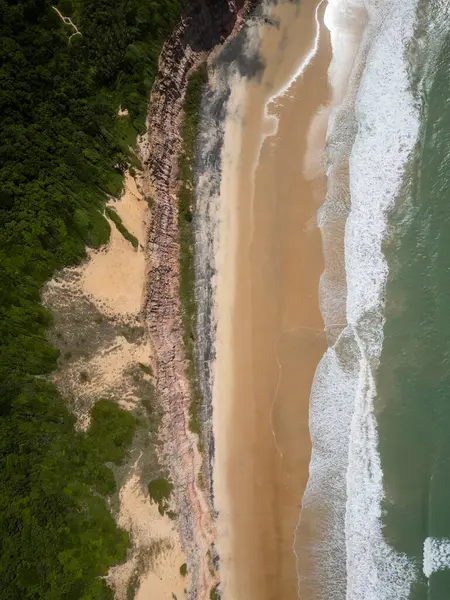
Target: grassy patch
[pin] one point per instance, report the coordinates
(186, 202)
(183, 570)
(160, 491)
(111, 431)
(146, 368)
(211, 567)
(84, 376)
(214, 593)
(115, 218)
(132, 333)
(201, 480)
(114, 184)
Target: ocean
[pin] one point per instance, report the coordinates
(375, 521)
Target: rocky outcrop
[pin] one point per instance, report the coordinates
(206, 24)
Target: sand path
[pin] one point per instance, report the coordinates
(268, 352)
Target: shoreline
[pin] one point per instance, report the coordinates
(264, 293)
(340, 534)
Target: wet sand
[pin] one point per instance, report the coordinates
(276, 337)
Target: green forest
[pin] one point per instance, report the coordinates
(62, 150)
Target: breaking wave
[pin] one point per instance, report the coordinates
(341, 550)
(436, 555)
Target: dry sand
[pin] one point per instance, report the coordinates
(156, 552)
(115, 276)
(269, 328)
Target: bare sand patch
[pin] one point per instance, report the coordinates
(114, 277)
(154, 539)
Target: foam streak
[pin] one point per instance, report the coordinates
(298, 73)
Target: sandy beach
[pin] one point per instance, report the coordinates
(269, 335)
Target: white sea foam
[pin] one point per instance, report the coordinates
(299, 71)
(436, 555)
(343, 424)
(320, 538)
(344, 20)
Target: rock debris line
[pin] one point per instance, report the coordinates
(207, 24)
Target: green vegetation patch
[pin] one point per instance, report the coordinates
(183, 570)
(115, 218)
(160, 491)
(186, 206)
(214, 593)
(111, 431)
(58, 536)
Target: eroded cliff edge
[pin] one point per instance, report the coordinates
(202, 28)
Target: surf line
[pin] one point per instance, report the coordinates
(277, 387)
(298, 73)
(268, 118)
